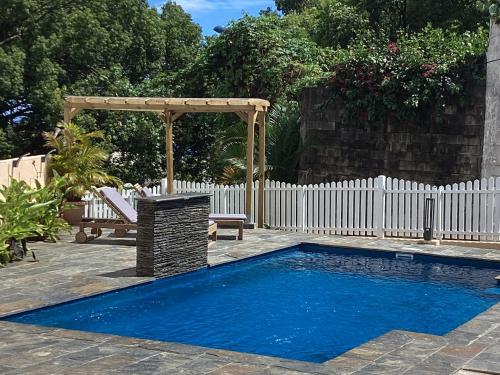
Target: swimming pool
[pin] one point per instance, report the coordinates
(308, 302)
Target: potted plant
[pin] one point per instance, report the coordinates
(81, 162)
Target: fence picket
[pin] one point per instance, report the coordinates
(461, 207)
(338, 207)
(321, 208)
(491, 202)
(369, 208)
(356, 208)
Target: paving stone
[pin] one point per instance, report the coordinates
(463, 351)
(348, 365)
(238, 369)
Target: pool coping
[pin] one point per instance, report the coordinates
(364, 356)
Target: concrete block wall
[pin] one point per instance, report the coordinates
(436, 150)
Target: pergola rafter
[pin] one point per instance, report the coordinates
(251, 111)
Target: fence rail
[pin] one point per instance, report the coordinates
(369, 207)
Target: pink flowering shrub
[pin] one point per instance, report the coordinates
(375, 77)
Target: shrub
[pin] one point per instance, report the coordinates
(26, 213)
(376, 77)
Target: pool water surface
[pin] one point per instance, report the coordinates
(308, 302)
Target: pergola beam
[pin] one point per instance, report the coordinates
(167, 104)
(171, 109)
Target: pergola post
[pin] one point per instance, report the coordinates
(262, 167)
(169, 138)
(251, 118)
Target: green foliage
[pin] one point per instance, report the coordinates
(49, 216)
(337, 23)
(4, 250)
(19, 211)
(376, 78)
(182, 37)
(48, 46)
(78, 159)
(267, 57)
(283, 147)
(27, 212)
(289, 6)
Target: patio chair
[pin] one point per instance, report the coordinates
(127, 217)
(230, 220)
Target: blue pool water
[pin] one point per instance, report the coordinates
(307, 303)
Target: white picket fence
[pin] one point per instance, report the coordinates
(370, 207)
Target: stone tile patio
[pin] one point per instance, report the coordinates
(67, 270)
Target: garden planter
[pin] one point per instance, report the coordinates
(74, 214)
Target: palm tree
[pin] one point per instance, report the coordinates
(78, 159)
(283, 147)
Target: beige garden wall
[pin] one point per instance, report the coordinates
(27, 168)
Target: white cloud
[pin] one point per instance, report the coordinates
(202, 5)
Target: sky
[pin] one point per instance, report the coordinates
(210, 13)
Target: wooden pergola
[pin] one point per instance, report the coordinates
(251, 111)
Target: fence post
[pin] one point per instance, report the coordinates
(163, 186)
(379, 209)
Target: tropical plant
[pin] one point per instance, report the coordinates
(18, 211)
(27, 212)
(78, 160)
(283, 147)
(18, 217)
(4, 250)
(49, 216)
(283, 141)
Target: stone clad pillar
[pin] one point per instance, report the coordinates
(491, 143)
(172, 234)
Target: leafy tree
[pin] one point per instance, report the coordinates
(337, 24)
(48, 45)
(289, 6)
(267, 57)
(182, 37)
(414, 15)
(393, 15)
(283, 147)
